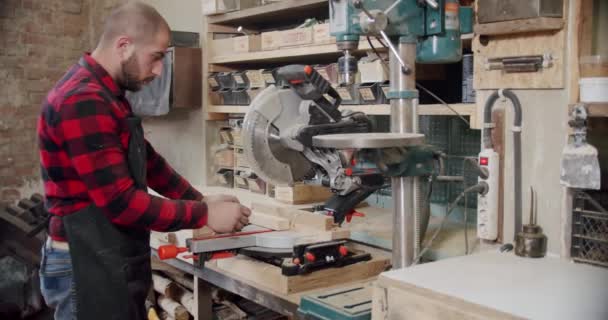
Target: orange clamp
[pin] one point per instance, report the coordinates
(170, 251)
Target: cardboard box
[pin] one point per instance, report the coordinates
(296, 37)
(221, 47)
(224, 158)
(256, 79)
(250, 43)
(239, 159)
(321, 34)
(240, 79)
(225, 177)
(373, 71)
(213, 7)
(271, 40)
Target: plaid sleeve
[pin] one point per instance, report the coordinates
(166, 181)
(91, 137)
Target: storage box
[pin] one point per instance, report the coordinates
(268, 75)
(212, 81)
(228, 97)
(296, 37)
(249, 43)
(216, 98)
(236, 137)
(226, 80)
(321, 34)
(240, 159)
(369, 93)
(256, 80)
(256, 184)
(225, 177)
(213, 7)
(329, 72)
(226, 136)
(240, 79)
(240, 96)
(349, 94)
(221, 47)
(252, 93)
(383, 89)
(271, 40)
(504, 10)
(224, 158)
(240, 180)
(372, 71)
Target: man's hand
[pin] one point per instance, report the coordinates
(226, 214)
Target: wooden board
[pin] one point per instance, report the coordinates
(302, 193)
(294, 218)
(519, 26)
(536, 43)
(269, 277)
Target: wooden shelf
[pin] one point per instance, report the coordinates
(284, 10)
(595, 110)
(466, 109)
(310, 53)
(519, 26)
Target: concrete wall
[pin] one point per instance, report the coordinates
(178, 136)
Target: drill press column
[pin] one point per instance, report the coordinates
(404, 101)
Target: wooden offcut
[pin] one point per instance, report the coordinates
(519, 26)
(302, 193)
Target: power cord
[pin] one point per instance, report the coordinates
(480, 187)
(418, 85)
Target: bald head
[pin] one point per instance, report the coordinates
(136, 20)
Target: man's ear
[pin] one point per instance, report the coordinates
(124, 46)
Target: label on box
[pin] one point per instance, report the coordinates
(451, 16)
(238, 79)
(255, 79)
(367, 94)
(213, 83)
(241, 44)
(344, 93)
(268, 77)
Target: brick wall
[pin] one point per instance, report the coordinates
(39, 40)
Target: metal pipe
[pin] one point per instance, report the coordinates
(403, 119)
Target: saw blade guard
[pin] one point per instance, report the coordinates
(271, 115)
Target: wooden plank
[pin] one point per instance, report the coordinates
(573, 51)
(263, 13)
(519, 26)
(594, 110)
(296, 219)
(535, 43)
(270, 278)
(269, 221)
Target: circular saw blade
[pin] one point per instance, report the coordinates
(271, 112)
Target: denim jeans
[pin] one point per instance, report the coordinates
(56, 282)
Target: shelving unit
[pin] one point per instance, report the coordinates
(277, 16)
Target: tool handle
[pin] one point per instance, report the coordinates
(170, 251)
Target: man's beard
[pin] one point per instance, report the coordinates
(130, 75)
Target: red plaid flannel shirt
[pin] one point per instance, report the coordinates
(83, 141)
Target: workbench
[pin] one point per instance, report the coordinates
(375, 228)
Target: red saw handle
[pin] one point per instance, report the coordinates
(170, 251)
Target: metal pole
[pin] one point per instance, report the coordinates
(403, 119)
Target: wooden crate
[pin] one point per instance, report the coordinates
(249, 43)
(296, 37)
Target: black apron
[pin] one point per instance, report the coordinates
(111, 264)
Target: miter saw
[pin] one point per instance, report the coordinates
(300, 134)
